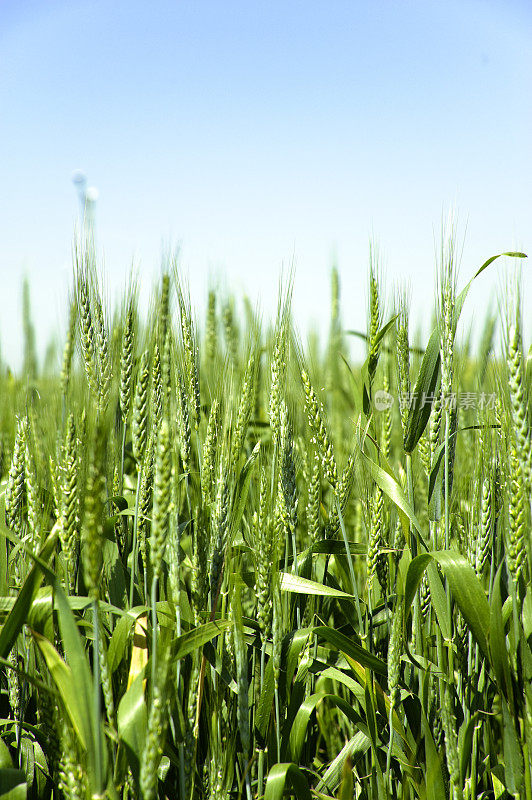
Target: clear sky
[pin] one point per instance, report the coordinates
(261, 135)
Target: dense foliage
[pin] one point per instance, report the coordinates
(233, 566)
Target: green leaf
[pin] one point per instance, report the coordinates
(61, 675)
(197, 637)
(119, 641)
(297, 642)
(83, 684)
(28, 759)
(132, 720)
(114, 574)
(497, 640)
(219, 664)
(368, 370)
(298, 585)
(438, 599)
(81, 674)
(390, 486)
(428, 375)
(433, 774)
(332, 547)
(349, 648)
(434, 483)
(497, 779)
(242, 489)
(351, 376)
(346, 791)
(465, 587)
(468, 594)
(416, 568)
(435, 471)
(371, 717)
(298, 730)
(339, 676)
(465, 739)
(355, 747)
(21, 608)
(384, 330)
(13, 784)
(264, 709)
(41, 769)
(426, 383)
(40, 614)
(513, 757)
(463, 294)
(527, 613)
(282, 774)
(5, 757)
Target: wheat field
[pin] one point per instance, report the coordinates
(236, 566)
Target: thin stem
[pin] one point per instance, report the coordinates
(97, 705)
(527, 761)
(349, 561)
(260, 777)
(410, 490)
(155, 581)
(474, 759)
(135, 539)
(416, 616)
(388, 781)
(123, 456)
(447, 531)
(278, 724)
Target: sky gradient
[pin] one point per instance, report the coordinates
(259, 137)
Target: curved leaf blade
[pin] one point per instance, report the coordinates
(426, 383)
(299, 585)
(351, 649)
(465, 587)
(279, 776)
(197, 637)
(298, 731)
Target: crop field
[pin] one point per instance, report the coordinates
(236, 566)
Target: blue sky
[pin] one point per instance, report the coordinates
(259, 136)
